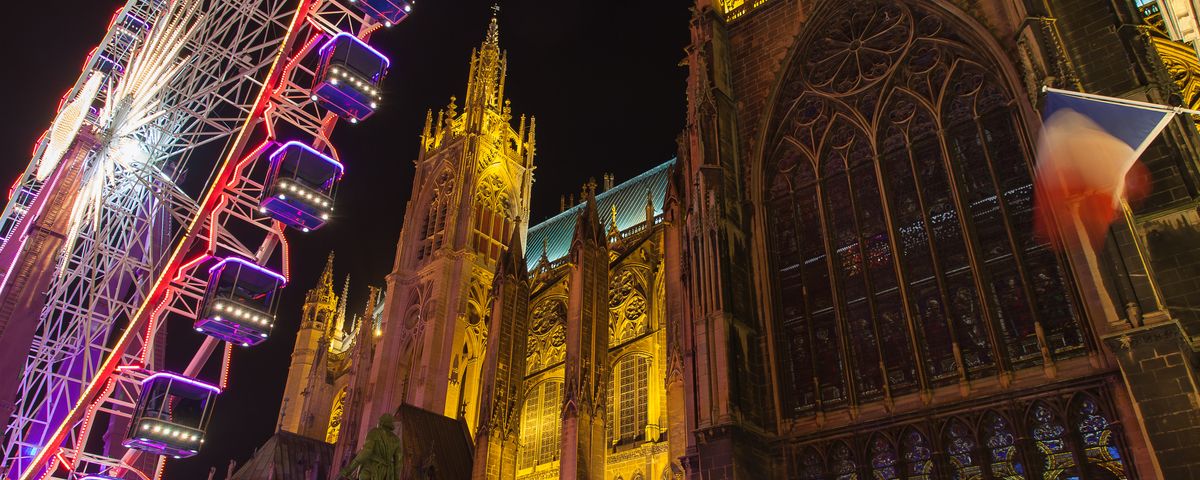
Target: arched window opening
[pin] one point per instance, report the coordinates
(1052, 444)
(629, 400)
(1104, 459)
(809, 465)
(883, 459)
(899, 192)
(918, 457)
(1001, 446)
(842, 463)
(493, 222)
(541, 425)
(434, 225)
(1060, 437)
(960, 448)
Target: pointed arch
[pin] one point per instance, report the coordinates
(547, 333)
(1097, 438)
(629, 397)
(843, 463)
(958, 439)
(917, 454)
(810, 465)
(1053, 449)
(439, 195)
(910, 230)
(541, 425)
(999, 441)
(885, 463)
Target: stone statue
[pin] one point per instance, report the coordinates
(382, 454)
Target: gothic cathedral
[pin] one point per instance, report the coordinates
(837, 277)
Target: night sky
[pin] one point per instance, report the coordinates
(602, 79)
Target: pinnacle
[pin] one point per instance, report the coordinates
(327, 275)
(493, 32)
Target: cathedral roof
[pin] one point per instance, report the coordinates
(440, 446)
(629, 198)
(287, 456)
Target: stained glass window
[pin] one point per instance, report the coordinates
(918, 457)
(541, 425)
(629, 399)
(1103, 457)
(1050, 439)
(841, 462)
(883, 459)
(1058, 437)
(960, 448)
(1001, 444)
(896, 160)
(811, 466)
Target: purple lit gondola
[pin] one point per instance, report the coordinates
(171, 415)
(348, 77)
(300, 186)
(388, 12)
(239, 305)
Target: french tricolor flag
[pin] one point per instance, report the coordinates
(1087, 161)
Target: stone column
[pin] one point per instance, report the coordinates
(1158, 365)
(503, 371)
(586, 365)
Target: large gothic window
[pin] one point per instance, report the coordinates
(541, 425)
(899, 193)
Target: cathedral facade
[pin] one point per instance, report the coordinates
(837, 277)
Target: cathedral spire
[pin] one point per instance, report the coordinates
(327, 276)
(493, 33)
(485, 87)
(339, 318)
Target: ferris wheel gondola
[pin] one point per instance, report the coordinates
(301, 186)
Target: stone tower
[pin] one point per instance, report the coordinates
(316, 386)
(320, 308)
(471, 192)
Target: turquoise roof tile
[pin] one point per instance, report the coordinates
(629, 197)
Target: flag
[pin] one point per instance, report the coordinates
(1087, 160)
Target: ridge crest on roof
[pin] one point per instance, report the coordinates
(630, 199)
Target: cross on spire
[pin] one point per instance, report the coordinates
(495, 9)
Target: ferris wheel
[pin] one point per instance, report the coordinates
(196, 134)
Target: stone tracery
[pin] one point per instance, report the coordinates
(547, 334)
(855, 134)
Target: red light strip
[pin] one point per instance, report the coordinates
(38, 143)
(286, 249)
(225, 363)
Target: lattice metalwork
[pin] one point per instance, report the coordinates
(184, 108)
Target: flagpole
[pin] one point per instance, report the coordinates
(1132, 103)
(1126, 211)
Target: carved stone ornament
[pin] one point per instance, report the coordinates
(547, 335)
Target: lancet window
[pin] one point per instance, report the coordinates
(629, 399)
(434, 225)
(1056, 438)
(492, 222)
(541, 426)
